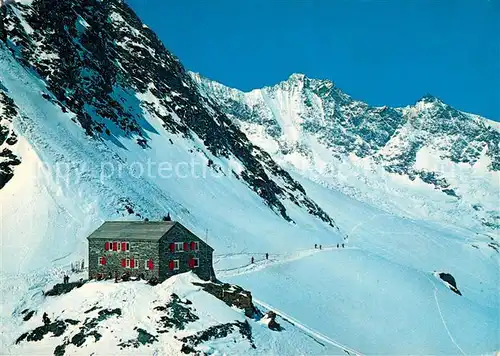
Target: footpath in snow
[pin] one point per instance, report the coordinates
(234, 264)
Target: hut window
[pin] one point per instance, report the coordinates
(173, 265)
(179, 246)
(125, 246)
(195, 246)
(193, 263)
(102, 261)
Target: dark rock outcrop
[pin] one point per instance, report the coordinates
(450, 280)
(232, 295)
(272, 323)
(88, 329)
(177, 314)
(28, 314)
(143, 338)
(63, 288)
(58, 327)
(8, 160)
(217, 332)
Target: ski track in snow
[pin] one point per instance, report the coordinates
(308, 330)
(444, 323)
(441, 315)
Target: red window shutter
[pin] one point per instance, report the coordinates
(150, 264)
(186, 246)
(124, 263)
(132, 262)
(190, 263)
(104, 261)
(171, 265)
(172, 247)
(106, 246)
(115, 246)
(193, 245)
(124, 246)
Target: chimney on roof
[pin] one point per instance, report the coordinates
(167, 218)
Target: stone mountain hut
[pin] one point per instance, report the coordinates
(147, 249)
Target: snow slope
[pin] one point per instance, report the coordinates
(361, 294)
(170, 150)
(379, 295)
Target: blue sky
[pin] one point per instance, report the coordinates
(384, 52)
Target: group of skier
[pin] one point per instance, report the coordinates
(321, 246)
(252, 260)
(338, 245)
(316, 246)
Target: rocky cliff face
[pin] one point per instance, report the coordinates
(8, 138)
(312, 125)
(96, 57)
(310, 106)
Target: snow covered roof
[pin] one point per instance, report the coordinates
(133, 230)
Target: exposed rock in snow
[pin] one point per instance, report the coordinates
(269, 319)
(27, 314)
(177, 314)
(8, 139)
(218, 332)
(63, 288)
(232, 295)
(448, 280)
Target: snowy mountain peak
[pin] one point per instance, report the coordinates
(429, 98)
(312, 126)
(301, 82)
(297, 77)
(429, 101)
